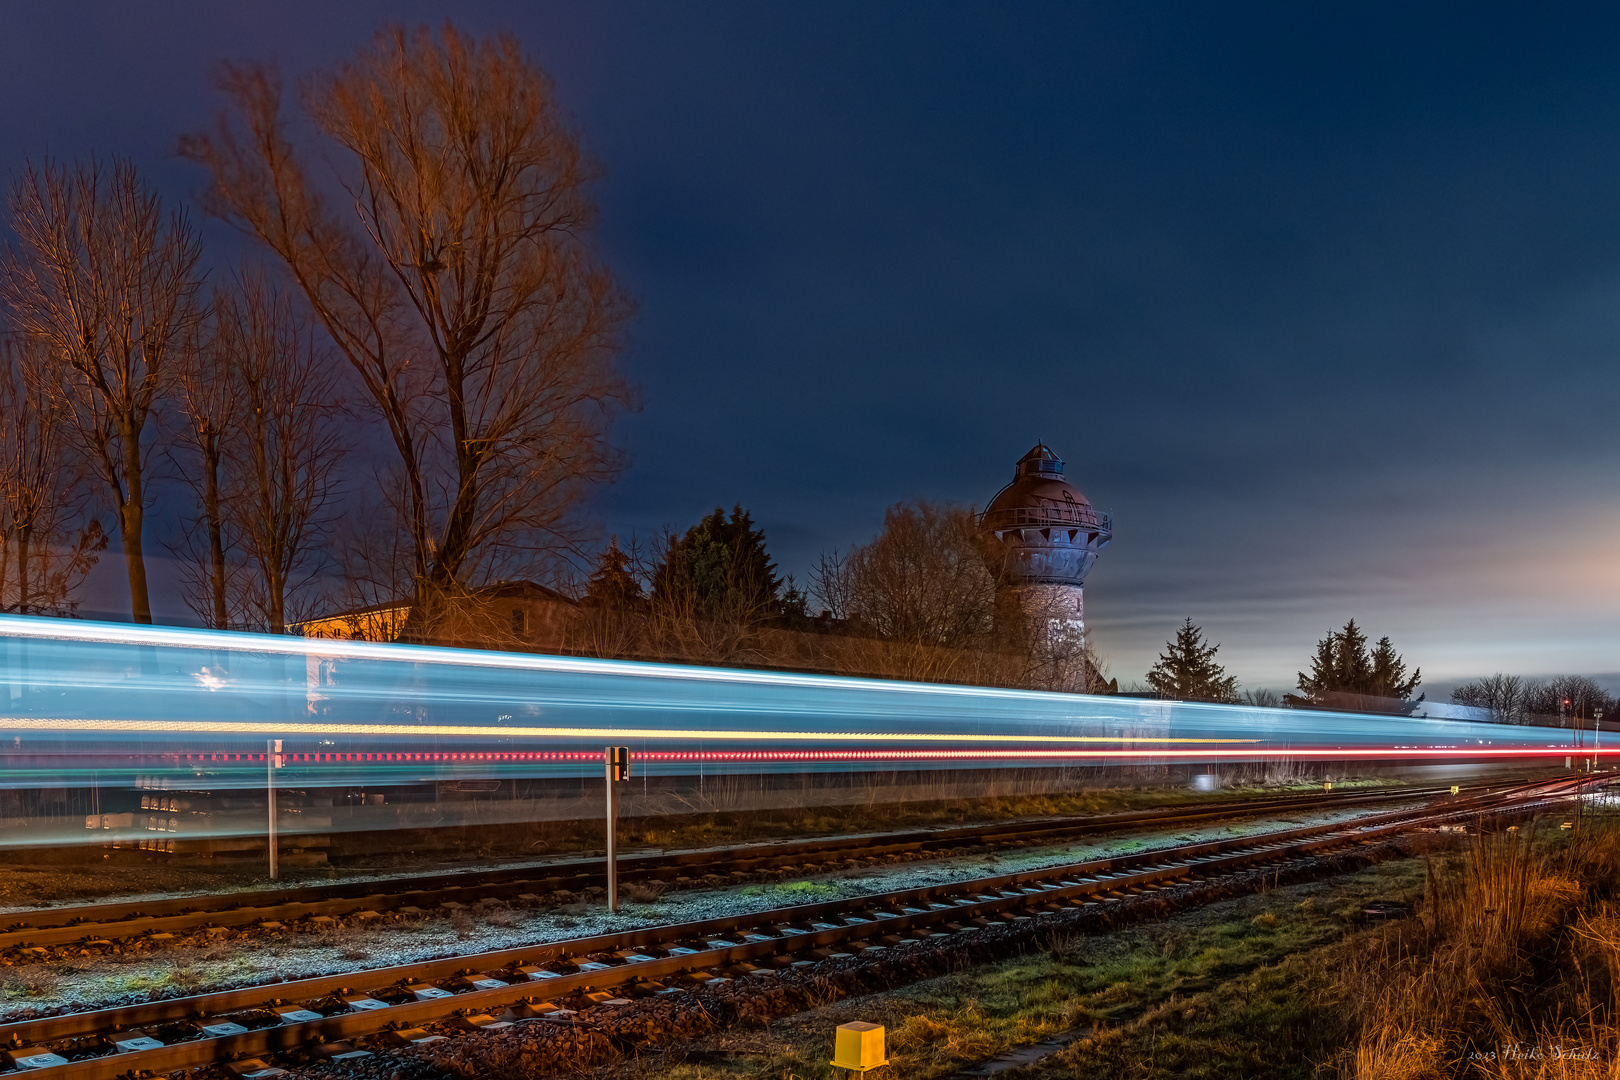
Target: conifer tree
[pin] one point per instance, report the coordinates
(1344, 665)
(613, 587)
(1389, 677)
(1187, 670)
(720, 564)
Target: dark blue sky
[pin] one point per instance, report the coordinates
(1320, 300)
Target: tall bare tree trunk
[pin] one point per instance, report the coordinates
(23, 568)
(216, 538)
(132, 522)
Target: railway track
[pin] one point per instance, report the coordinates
(445, 892)
(495, 989)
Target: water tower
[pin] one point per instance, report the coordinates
(1043, 537)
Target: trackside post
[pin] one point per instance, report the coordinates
(272, 762)
(617, 760)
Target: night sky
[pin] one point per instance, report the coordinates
(1322, 301)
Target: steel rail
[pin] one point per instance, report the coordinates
(125, 919)
(480, 984)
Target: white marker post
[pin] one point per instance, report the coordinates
(617, 760)
(272, 762)
(1597, 739)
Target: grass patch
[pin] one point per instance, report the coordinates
(1236, 989)
(1508, 970)
(793, 891)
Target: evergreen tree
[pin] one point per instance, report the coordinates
(1344, 665)
(1187, 670)
(1323, 671)
(720, 564)
(795, 601)
(613, 587)
(1389, 677)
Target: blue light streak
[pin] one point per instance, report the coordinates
(127, 701)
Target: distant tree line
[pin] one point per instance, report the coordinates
(1564, 700)
(419, 217)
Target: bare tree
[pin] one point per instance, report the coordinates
(374, 554)
(923, 578)
(461, 292)
(830, 584)
(209, 404)
(286, 445)
(1565, 699)
(919, 601)
(1504, 696)
(106, 281)
(42, 561)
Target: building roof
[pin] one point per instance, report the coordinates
(1039, 496)
(494, 591)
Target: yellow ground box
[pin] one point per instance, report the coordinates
(858, 1047)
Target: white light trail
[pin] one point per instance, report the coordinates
(261, 727)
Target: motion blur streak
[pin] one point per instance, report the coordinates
(152, 707)
(14, 723)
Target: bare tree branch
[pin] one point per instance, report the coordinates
(285, 445)
(462, 293)
(209, 404)
(43, 558)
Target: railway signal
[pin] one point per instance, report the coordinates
(617, 760)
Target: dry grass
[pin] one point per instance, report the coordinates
(645, 892)
(1511, 971)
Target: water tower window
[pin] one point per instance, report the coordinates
(520, 621)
